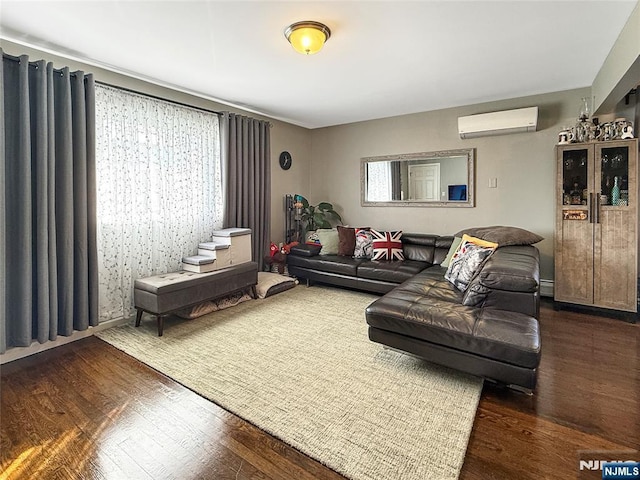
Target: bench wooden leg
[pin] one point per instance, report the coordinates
(160, 321)
(160, 325)
(254, 293)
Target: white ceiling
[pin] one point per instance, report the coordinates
(383, 58)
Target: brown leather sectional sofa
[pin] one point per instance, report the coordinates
(489, 330)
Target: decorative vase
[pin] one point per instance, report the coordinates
(585, 111)
(626, 130)
(564, 138)
(615, 192)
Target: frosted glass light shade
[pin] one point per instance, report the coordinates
(307, 37)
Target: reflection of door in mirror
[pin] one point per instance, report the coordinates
(424, 183)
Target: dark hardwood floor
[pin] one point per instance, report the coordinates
(88, 411)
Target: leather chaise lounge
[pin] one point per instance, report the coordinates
(489, 330)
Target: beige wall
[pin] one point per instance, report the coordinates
(284, 136)
(296, 141)
(621, 69)
(523, 163)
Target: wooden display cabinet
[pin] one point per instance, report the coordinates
(596, 238)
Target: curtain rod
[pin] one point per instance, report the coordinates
(17, 59)
(157, 98)
(171, 101)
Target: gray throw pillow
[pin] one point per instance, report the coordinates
(329, 240)
(503, 235)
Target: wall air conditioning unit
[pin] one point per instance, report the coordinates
(498, 123)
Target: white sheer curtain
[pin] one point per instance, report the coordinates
(379, 181)
(159, 188)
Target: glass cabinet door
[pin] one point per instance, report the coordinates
(615, 225)
(573, 257)
(613, 176)
(575, 177)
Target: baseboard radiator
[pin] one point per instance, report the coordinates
(546, 288)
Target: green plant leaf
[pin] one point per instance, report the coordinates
(335, 214)
(311, 210)
(319, 218)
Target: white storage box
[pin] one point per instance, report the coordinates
(220, 252)
(239, 242)
(199, 264)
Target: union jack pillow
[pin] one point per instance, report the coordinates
(387, 245)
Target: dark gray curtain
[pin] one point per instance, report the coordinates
(246, 158)
(48, 246)
(396, 181)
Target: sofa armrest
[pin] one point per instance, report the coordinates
(514, 268)
(509, 280)
(305, 250)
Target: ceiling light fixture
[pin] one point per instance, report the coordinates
(307, 37)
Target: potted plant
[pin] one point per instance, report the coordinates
(315, 216)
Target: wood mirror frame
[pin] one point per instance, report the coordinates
(394, 190)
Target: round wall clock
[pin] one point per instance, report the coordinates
(285, 160)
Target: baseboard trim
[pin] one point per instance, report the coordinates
(546, 288)
(17, 353)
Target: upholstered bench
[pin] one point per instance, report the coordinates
(163, 294)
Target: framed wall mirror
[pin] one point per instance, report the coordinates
(425, 179)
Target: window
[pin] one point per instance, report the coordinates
(379, 181)
(159, 185)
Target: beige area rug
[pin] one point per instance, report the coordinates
(300, 366)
